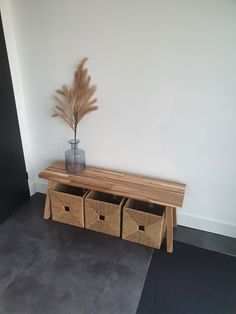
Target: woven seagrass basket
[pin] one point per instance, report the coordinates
(143, 223)
(68, 205)
(103, 213)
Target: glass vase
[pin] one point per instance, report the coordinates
(75, 158)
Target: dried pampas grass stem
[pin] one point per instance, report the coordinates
(75, 102)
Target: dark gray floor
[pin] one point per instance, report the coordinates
(48, 267)
(192, 280)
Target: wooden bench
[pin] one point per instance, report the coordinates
(167, 193)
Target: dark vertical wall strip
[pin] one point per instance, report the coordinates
(14, 189)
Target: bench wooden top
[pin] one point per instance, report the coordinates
(123, 184)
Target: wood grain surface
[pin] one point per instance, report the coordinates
(123, 184)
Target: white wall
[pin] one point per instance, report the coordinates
(166, 76)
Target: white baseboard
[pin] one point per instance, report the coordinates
(184, 219)
(32, 188)
(35, 187)
(41, 187)
(207, 224)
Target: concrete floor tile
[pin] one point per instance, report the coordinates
(135, 256)
(47, 267)
(58, 282)
(122, 292)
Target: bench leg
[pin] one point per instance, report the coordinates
(169, 228)
(47, 208)
(174, 217)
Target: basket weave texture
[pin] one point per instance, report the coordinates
(68, 205)
(143, 223)
(103, 213)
